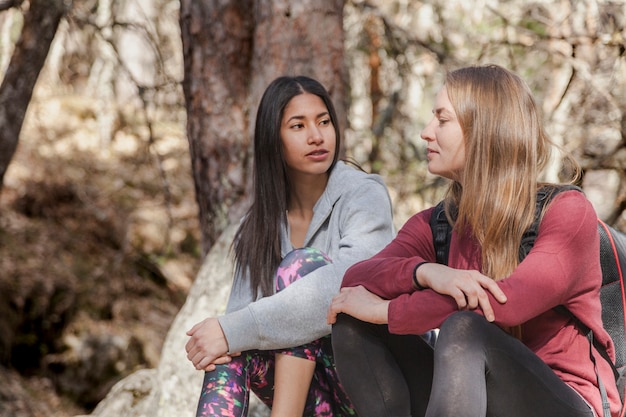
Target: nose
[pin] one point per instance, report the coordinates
(428, 132)
(315, 136)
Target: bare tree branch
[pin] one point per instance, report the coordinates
(7, 4)
(40, 26)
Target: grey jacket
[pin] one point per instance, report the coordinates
(352, 221)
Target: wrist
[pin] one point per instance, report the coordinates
(416, 283)
(382, 317)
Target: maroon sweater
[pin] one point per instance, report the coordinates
(563, 268)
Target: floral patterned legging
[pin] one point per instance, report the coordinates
(226, 390)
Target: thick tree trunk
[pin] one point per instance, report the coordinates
(40, 26)
(232, 50)
(217, 47)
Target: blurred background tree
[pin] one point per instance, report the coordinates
(232, 51)
(134, 150)
(39, 28)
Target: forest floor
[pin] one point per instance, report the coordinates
(99, 244)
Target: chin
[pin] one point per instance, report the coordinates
(441, 173)
(434, 170)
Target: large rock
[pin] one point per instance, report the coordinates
(172, 389)
(602, 188)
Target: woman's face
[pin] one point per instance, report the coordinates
(308, 135)
(444, 137)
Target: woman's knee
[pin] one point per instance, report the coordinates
(464, 327)
(297, 264)
(348, 336)
(463, 322)
(344, 331)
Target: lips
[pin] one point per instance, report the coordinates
(318, 152)
(430, 153)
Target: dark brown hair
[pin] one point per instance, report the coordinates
(257, 242)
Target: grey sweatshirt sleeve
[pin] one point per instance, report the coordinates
(297, 314)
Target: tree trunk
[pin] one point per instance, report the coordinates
(232, 49)
(40, 26)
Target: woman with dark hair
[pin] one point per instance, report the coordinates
(312, 216)
(511, 353)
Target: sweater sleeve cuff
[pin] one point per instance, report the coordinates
(392, 322)
(240, 330)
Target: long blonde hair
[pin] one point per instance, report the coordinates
(506, 149)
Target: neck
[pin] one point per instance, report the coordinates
(305, 191)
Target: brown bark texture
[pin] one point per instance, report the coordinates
(40, 25)
(232, 49)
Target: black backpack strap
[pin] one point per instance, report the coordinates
(442, 233)
(612, 294)
(606, 408)
(442, 230)
(587, 331)
(613, 262)
(528, 238)
(544, 196)
(593, 342)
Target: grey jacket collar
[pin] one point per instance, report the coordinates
(342, 178)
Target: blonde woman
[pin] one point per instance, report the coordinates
(503, 349)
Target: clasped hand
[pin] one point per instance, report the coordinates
(469, 289)
(207, 345)
(359, 303)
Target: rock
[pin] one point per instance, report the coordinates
(172, 389)
(32, 396)
(93, 362)
(602, 188)
(128, 397)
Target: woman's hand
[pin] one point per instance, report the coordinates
(359, 303)
(468, 287)
(207, 346)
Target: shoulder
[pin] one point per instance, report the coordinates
(571, 212)
(570, 202)
(345, 179)
(420, 221)
(351, 191)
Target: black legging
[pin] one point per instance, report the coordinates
(479, 370)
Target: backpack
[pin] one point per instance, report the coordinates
(612, 293)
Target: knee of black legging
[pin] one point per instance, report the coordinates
(347, 336)
(463, 326)
(462, 320)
